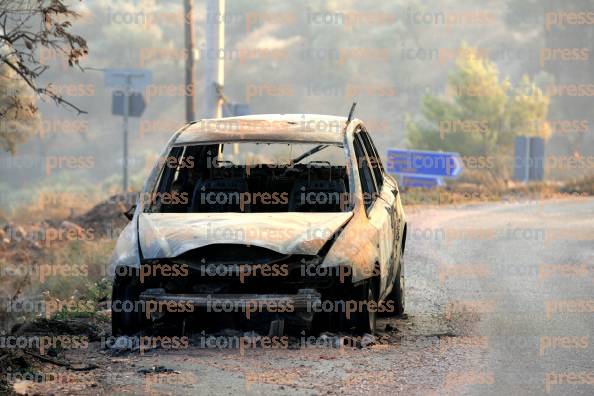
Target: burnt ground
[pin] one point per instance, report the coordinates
(407, 355)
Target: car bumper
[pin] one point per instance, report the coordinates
(303, 301)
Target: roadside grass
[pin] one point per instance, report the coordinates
(584, 185)
(44, 272)
(86, 281)
(64, 281)
(482, 187)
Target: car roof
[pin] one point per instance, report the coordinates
(312, 128)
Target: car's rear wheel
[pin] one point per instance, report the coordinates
(396, 296)
(127, 317)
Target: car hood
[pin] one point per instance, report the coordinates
(165, 235)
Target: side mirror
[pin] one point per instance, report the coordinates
(130, 212)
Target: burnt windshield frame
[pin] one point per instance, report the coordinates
(164, 180)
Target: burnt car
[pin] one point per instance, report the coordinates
(284, 215)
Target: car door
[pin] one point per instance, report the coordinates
(389, 195)
(377, 211)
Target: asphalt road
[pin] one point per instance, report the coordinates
(526, 272)
(500, 300)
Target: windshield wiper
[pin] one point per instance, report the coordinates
(309, 153)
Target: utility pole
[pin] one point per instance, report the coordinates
(190, 81)
(214, 58)
(126, 112)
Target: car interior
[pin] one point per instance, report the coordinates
(254, 178)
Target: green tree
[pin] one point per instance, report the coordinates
(480, 114)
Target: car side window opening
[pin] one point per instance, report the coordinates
(376, 164)
(367, 180)
(254, 177)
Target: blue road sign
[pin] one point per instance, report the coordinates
(424, 163)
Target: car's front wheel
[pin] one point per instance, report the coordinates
(127, 316)
(363, 319)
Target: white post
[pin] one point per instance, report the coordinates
(214, 57)
(189, 38)
(126, 112)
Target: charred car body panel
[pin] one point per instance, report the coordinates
(172, 234)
